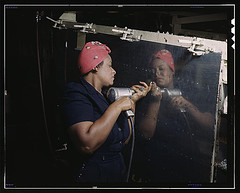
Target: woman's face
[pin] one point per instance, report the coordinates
(162, 73)
(106, 73)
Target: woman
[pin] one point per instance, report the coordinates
(166, 149)
(162, 64)
(98, 130)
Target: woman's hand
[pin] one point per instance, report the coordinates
(124, 104)
(205, 120)
(156, 92)
(179, 102)
(140, 91)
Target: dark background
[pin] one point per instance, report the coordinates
(34, 130)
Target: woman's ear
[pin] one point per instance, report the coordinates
(172, 74)
(95, 69)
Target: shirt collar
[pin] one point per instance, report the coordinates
(88, 86)
(92, 90)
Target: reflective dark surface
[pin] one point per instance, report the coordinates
(180, 151)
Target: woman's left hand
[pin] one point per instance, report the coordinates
(140, 90)
(181, 103)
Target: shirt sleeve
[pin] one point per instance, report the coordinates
(77, 108)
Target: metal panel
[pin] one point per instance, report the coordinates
(198, 78)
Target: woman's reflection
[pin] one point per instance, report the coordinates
(166, 148)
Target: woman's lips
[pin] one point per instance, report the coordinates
(159, 79)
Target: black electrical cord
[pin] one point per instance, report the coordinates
(65, 57)
(189, 128)
(132, 149)
(41, 87)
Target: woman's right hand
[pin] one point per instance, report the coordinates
(124, 103)
(156, 91)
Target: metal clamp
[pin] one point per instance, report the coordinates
(82, 27)
(195, 43)
(86, 28)
(127, 34)
(57, 24)
(195, 53)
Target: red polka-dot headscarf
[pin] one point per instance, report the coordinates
(166, 56)
(91, 55)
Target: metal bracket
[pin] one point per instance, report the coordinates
(195, 43)
(192, 49)
(82, 27)
(57, 24)
(223, 102)
(127, 34)
(86, 28)
(225, 105)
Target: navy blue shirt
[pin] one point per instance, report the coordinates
(82, 102)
